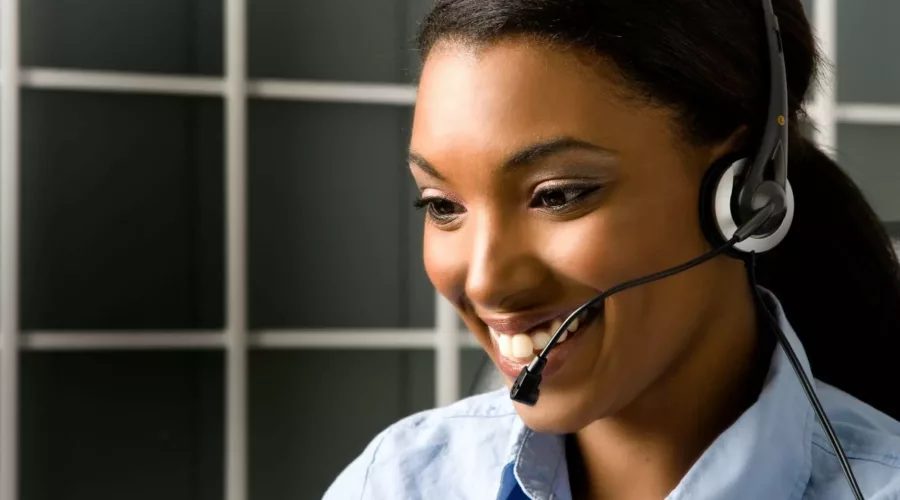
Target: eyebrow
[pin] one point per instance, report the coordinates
(526, 156)
(419, 161)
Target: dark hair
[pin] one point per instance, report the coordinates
(835, 273)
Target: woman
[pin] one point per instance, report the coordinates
(560, 147)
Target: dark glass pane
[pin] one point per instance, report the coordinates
(869, 154)
(352, 40)
(110, 426)
(334, 241)
(416, 10)
(314, 412)
(168, 36)
(868, 69)
(477, 372)
(808, 6)
(122, 212)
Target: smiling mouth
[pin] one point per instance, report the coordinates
(523, 347)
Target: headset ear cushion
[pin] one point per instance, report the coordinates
(709, 188)
(717, 211)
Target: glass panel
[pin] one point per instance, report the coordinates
(109, 426)
(122, 212)
(350, 40)
(478, 373)
(334, 240)
(808, 6)
(416, 10)
(313, 412)
(168, 36)
(868, 69)
(869, 154)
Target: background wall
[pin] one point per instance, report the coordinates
(123, 229)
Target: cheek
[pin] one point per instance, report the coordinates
(608, 247)
(583, 252)
(444, 257)
(637, 234)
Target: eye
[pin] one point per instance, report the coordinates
(560, 197)
(440, 210)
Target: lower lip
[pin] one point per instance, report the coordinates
(555, 360)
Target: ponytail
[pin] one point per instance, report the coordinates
(837, 277)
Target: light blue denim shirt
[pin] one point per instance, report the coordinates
(478, 448)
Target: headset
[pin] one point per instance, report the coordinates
(745, 208)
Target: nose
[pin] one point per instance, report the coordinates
(505, 271)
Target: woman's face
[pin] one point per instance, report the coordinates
(544, 184)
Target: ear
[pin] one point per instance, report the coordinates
(735, 142)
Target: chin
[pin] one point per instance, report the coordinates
(559, 413)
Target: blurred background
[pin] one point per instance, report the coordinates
(164, 339)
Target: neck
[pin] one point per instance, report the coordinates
(645, 450)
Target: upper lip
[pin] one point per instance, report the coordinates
(521, 322)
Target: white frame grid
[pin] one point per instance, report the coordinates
(446, 339)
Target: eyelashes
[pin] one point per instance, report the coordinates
(440, 210)
(554, 199)
(562, 197)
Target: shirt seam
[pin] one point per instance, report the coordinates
(362, 491)
(861, 456)
(412, 423)
(417, 422)
(500, 415)
(553, 494)
(806, 476)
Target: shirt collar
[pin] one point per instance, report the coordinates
(765, 453)
(539, 463)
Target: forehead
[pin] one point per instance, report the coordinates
(504, 96)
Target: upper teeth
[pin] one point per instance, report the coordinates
(522, 345)
(540, 339)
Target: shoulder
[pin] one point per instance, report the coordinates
(431, 453)
(871, 441)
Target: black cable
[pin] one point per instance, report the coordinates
(637, 282)
(526, 388)
(804, 381)
(616, 289)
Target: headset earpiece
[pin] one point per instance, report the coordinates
(718, 208)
